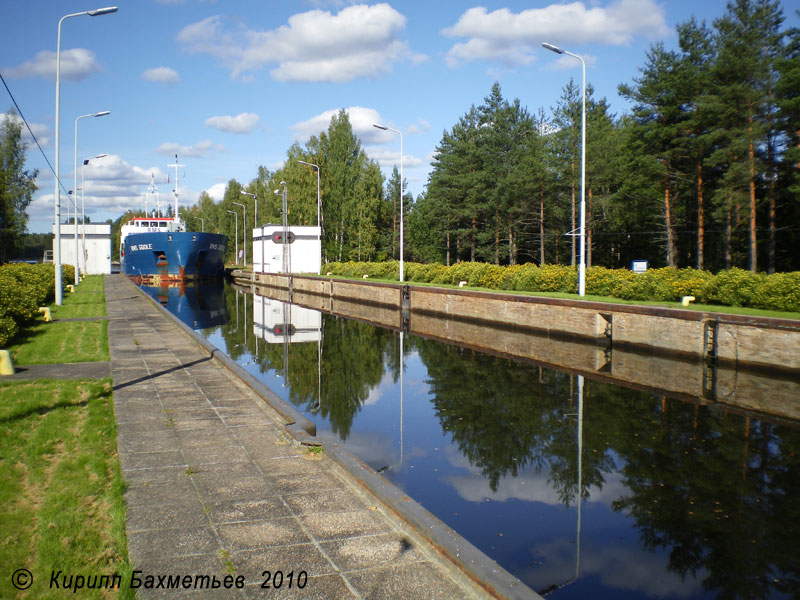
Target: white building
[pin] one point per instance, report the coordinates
(94, 247)
(303, 253)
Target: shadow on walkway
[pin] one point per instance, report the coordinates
(164, 372)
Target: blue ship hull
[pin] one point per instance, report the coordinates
(165, 256)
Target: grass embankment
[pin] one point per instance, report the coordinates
(61, 500)
(67, 341)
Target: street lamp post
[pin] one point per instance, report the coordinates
(236, 236)
(57, 244)
(255, 205)
(384, 128)
(244, 229)
(102, 113)
(582, 235)
(83, 208)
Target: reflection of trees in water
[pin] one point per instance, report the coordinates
(354, 358)
(719, 492)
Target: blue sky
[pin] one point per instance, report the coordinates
(230, 85)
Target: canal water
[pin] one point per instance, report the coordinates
(580, 488)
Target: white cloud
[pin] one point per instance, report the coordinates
(200, 149)
(161, 75)
(388, 158)
(76, 64)
(111, 185)
(217, 191)
(421, 126)
(358, 41)
(567, 63)
(243, 123)
(512, 39)
(361, 120)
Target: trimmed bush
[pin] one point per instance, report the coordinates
(557, 278)
(8, 329)
(649, 285)
(778, 291)
(601, 281)
(736, 287)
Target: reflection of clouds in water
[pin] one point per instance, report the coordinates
(376, 393)
(528, 485)
(619, 567)
(374, 448)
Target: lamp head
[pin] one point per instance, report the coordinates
(552, 48)
(102, 113)
(102, 11)
(383, 127)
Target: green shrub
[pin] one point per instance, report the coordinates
(492, 277)
(18, 300)
(527, 279)
(8, 329)
(424, 273)
(690, 282)
(735, 287)
(778, 291)
(601, 281)
(382, 270)
(557, 278)
(650, 285)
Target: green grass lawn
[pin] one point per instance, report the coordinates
(67, 341)
(61, 492)
(61, 342)
(88, 300)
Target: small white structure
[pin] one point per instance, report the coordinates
(275, 321)
(302, 253)
(94, 247)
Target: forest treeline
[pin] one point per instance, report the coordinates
(703, 172)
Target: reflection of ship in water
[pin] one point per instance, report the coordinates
(199, 306)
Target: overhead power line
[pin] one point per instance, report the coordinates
(24, 120)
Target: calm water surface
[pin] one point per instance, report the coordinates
(578, 487)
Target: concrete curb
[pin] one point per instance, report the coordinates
(464, 556)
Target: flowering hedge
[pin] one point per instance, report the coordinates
(736, 287)
(23, 289)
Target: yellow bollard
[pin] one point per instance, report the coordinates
(45, 310)
(6, 366)
(687, 299)
(71, 287)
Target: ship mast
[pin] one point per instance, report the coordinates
(152, 191)
(175, 189)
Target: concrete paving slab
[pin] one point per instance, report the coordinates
(217, 485)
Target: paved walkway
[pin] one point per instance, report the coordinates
(216, 486)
